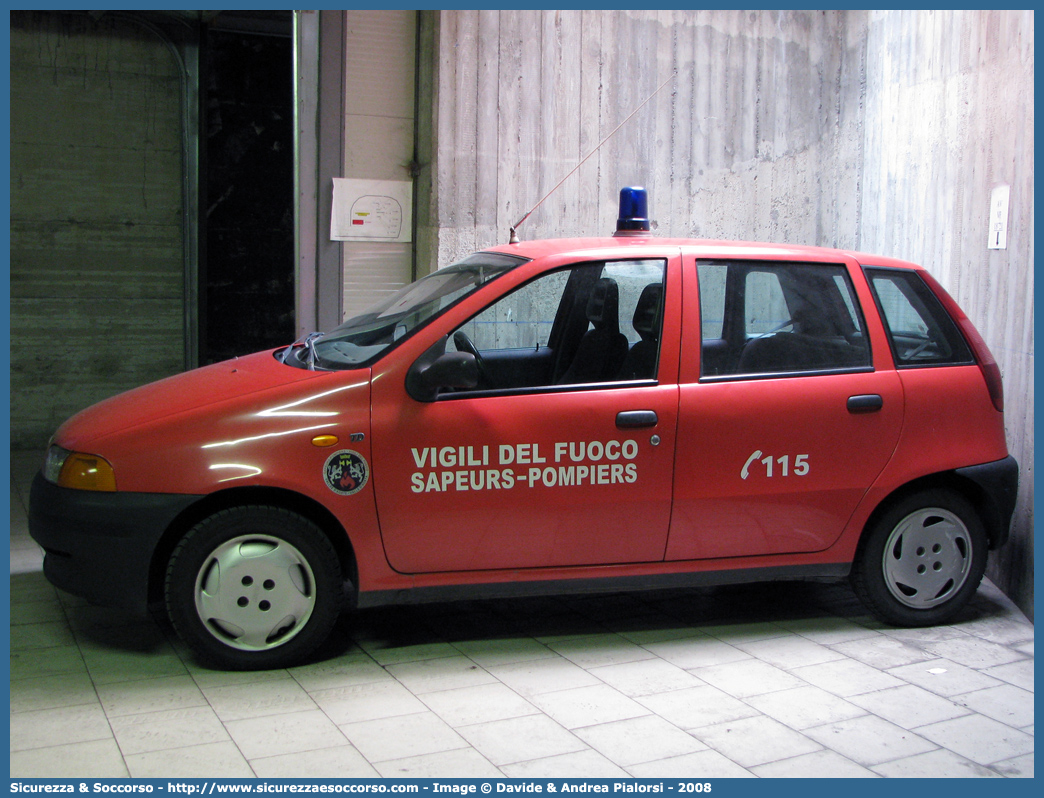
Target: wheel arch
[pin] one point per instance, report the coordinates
(971, 490)
(235, 497)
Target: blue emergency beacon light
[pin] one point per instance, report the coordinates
(634, 212)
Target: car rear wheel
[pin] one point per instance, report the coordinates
(253, 588)
(922, 561)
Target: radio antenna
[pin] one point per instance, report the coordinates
(513, 238)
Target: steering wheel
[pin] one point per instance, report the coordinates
(463, 342)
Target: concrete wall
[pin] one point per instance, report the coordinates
(949, 115)
(883, 132)
(96, 237)
(755, 136)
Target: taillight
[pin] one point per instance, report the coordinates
(987, 365)
(990, 369)
(992, 374)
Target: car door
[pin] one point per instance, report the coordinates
(789, 410)
(548, 461)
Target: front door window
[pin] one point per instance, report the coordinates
(592, 323)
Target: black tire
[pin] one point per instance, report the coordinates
(922, 560)
(253, 588)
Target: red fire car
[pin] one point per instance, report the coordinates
(551, 416)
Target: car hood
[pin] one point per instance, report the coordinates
(210, 385)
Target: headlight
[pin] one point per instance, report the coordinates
(53, 464)
(78, 470)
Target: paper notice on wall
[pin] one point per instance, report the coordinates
(371, 210)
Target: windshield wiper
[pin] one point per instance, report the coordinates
(308, 341)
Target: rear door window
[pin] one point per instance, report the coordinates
(763, 318)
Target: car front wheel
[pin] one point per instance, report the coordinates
(253, 588)
(922, 560)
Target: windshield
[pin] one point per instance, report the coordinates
(361, 339)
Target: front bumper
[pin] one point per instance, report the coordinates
(99, 545)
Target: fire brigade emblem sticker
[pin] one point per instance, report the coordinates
(346, 472)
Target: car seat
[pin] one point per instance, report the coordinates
(640, 363)
(603, 348)
(814, 344)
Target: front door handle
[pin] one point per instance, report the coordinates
(629, 419)
(865, 403)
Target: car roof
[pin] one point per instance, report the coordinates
(700, 248)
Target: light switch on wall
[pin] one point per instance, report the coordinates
(999, 217)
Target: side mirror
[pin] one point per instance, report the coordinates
(438, 370)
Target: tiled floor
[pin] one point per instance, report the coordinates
(768, 680)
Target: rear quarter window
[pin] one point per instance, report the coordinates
(920, 332)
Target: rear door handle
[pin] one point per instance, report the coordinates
(865, 403)
(628, 419)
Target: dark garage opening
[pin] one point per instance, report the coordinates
(246, 264)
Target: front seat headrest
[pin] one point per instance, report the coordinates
(646, 321)
(604, 302)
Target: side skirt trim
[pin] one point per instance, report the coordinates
(619, 584)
